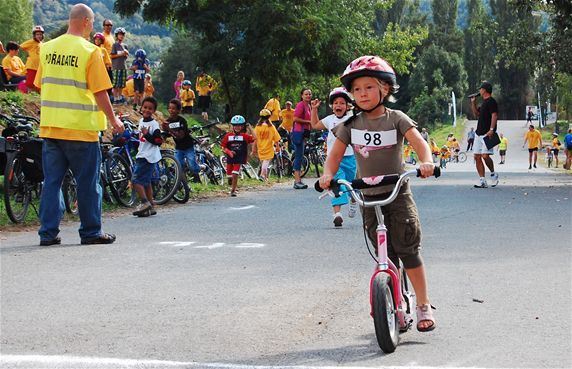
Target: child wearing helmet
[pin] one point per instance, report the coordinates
(32, 47)
(235, 146)
(187, 97)
(444, 156)
(377, 135)
(99, 40)
(266, 138)
(119, 54)
(340, 101)
(140, 67)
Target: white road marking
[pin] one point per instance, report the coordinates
(243, 207)
(215, 245)
(177, 243)
(247, 245)
(44, 361)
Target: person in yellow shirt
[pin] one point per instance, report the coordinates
(32, 47)
(74, 105)
(99, 40)
(555, 147)
(187, 97)
(534, 139)
(129, 90)
(287, 116)
(107, 33)
(503, 145)
(445, 155)
(149, 88)
(266, 138)
(434, 149)
(205, 85)
(273, 105)
(13, 66)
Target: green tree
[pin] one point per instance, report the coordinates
(16, 20)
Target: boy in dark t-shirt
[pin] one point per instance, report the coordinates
(178, 128)
(235, 146)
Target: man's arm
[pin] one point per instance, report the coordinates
(493, 124)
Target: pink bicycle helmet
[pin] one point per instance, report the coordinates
(369, 66)
(99, 35)
(339, 92)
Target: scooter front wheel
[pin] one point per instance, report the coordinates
(384, 313)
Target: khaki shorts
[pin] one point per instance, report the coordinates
(403, 227)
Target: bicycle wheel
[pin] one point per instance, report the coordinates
(462, 157)
(69, 189)
(218, 171)
(384, 313)
(118, 175)
(17, 196)
(249, 171)
(166, 179)
(287, 166)
(305, 165)
(183, 192)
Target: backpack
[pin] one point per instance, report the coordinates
(32, 163)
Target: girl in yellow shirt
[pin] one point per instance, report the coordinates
(32, 47)
(266, 137)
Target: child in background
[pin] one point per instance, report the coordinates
(455, 149)
(340, 102)
(287, 116)
(549, 157)
(178, 128)
(32, 47)
(140, 68)
(556, 147)
(434, 149)
(13, 66)
(148, 154)
(266, 137)
(129, 91)
(119, 54)
(178, 84)
(445, 154)
(187, 97)
(235, 146)
(149, 88)
(98, 40)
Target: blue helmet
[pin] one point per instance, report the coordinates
(140, 54)
(237, 120)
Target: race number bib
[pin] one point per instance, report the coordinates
(374, 138)
(140, 71)
(175, 125)
(236, 138)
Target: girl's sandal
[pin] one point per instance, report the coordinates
(425, 314)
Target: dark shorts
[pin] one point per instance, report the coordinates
(139, 85)
(119, 78)
(403, 227)
(204, 103)
(555, 151)
(143, 173)
(502, 152)
(533, 149)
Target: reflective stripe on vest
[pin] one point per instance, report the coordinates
(66, 100)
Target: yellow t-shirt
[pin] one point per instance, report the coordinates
(274, 106)
(105, 56)
(129, 89)
(534, 139)
(14, 64)
(287, 119)
(266, 137)
(556, 143)
(108, 42)
(503, 143)
(434, 148)
(149, 88)
(32, 47)
(205, 84)
(187, 97)
(97, 80)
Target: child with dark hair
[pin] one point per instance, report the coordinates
(13, 66)
(148, 155)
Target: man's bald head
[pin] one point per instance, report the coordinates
(81, 20)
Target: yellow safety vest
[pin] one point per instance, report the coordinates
(66, 101)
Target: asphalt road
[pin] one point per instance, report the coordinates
(263, 280)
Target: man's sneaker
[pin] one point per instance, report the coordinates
(534, 166)
(300, 186)
(142, 209)
(55, 241)
(338, 220)
(482, 185)
(494, 179)
(352, 209)
(232, 193)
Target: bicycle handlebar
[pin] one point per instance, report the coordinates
(372, 182)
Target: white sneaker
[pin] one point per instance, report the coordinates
(338, 219)
(352, 209)
(482, 185)
(494, 179)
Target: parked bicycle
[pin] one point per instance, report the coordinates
(391, 300)
(281, 164)
(314, 154)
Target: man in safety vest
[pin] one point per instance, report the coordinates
(74, 107)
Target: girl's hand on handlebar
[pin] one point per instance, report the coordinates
(325, 181)
(426, 169)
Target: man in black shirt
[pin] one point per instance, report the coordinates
(486, 126)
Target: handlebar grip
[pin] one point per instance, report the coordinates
(436, 172)
(317, 186)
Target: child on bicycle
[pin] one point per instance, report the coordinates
(377, 135)
(177, 127)
(340, 101)
(235, 146)
(266, 138)
(148, 154)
